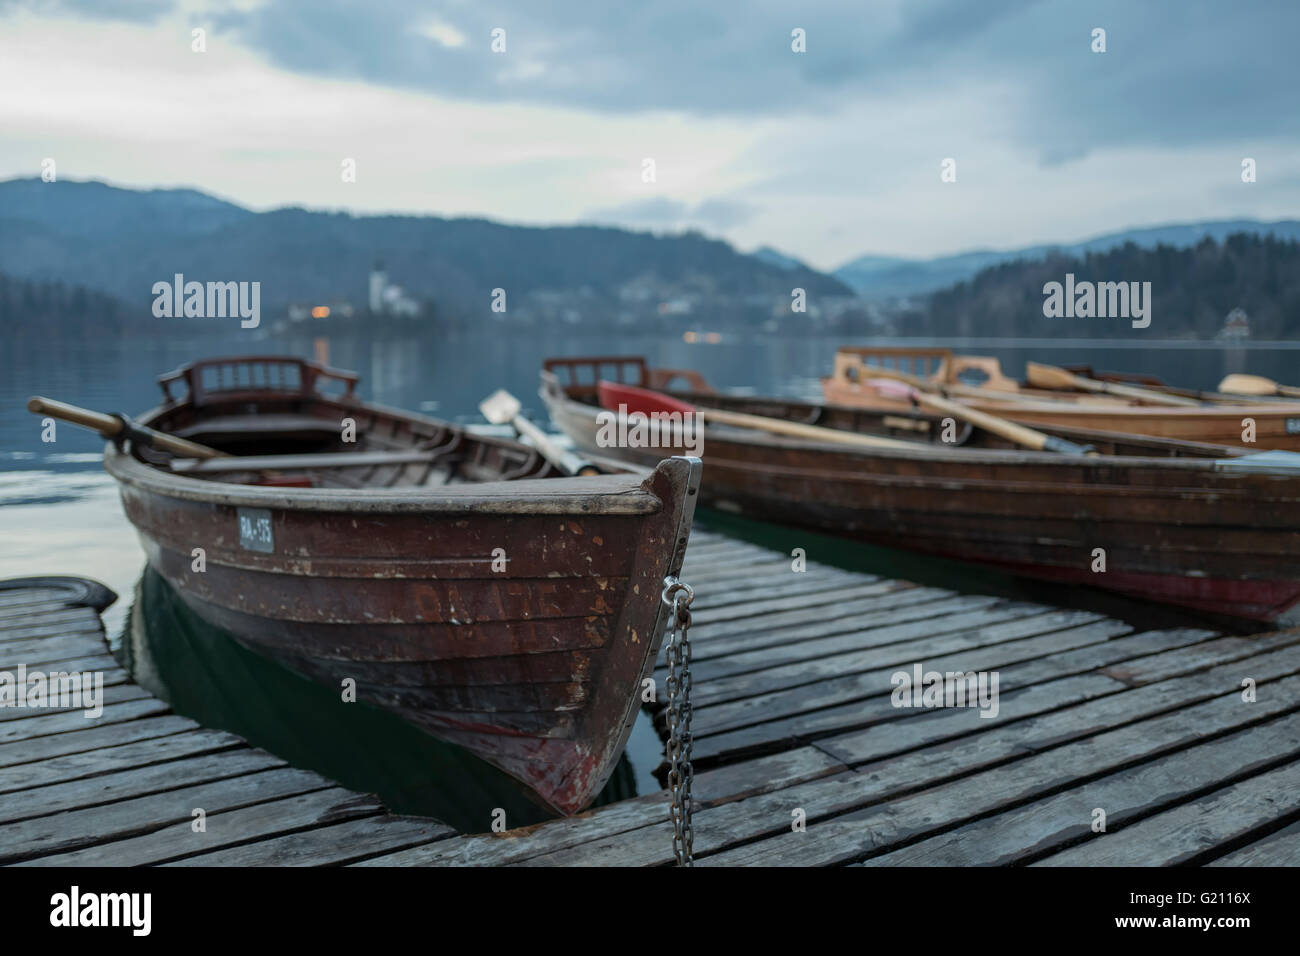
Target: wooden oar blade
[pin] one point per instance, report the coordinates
(1242, 384)
(500, 408)
(1049, 376)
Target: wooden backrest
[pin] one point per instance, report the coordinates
(853, 363)
(252, 376)
(984, 365)
(578, 376)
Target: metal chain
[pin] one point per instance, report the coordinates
(678, 596)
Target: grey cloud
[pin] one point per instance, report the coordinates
(1177, 72)
(723, 213)
(129, 10)
(672, 54)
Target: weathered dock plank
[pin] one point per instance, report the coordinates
(1184, 833)
(73, 829)
(794, 723)
(1044, 825)
(712, 788)
(860, 833)
(38, 777)
(329, 844)
(34, 750)
(62, 722)
(1277, 849)
(116, 691)
(274, 818)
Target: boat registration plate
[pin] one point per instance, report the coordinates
(1293, 426)
(255, 530)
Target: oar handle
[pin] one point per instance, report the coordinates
(799, 430)
(111, 426)
(567, 462)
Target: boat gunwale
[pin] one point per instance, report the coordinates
(620, 493)
(1068, 405)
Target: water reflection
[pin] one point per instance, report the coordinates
(207, 676)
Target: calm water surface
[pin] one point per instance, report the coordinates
(59, 514)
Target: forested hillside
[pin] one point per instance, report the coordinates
(1192, 290)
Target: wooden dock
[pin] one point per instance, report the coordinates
(794, 722)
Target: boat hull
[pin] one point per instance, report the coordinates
(517, 619)
(1177, 531)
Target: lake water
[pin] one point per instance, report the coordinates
(59, 512)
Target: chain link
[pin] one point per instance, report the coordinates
(678, 596)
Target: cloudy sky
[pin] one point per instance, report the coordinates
(827, 154)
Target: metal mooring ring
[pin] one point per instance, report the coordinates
(673, 589)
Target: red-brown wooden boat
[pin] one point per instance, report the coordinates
(1202, 526)
(1276, 423)
(458, 579)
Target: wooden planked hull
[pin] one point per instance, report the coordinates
(514, 618)
(1174, 530)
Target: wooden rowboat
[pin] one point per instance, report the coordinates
(457, 579)
(1191, 524)
(1277, 424)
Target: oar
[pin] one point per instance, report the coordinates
(982, 394)
(1240, 384)
(501, 408)
(798, 430)
(1049, 376)
(111, 426)
(1020, 434)
(629, 396)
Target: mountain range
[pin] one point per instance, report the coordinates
(122, 241)
(889, 277)
(119, 242)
